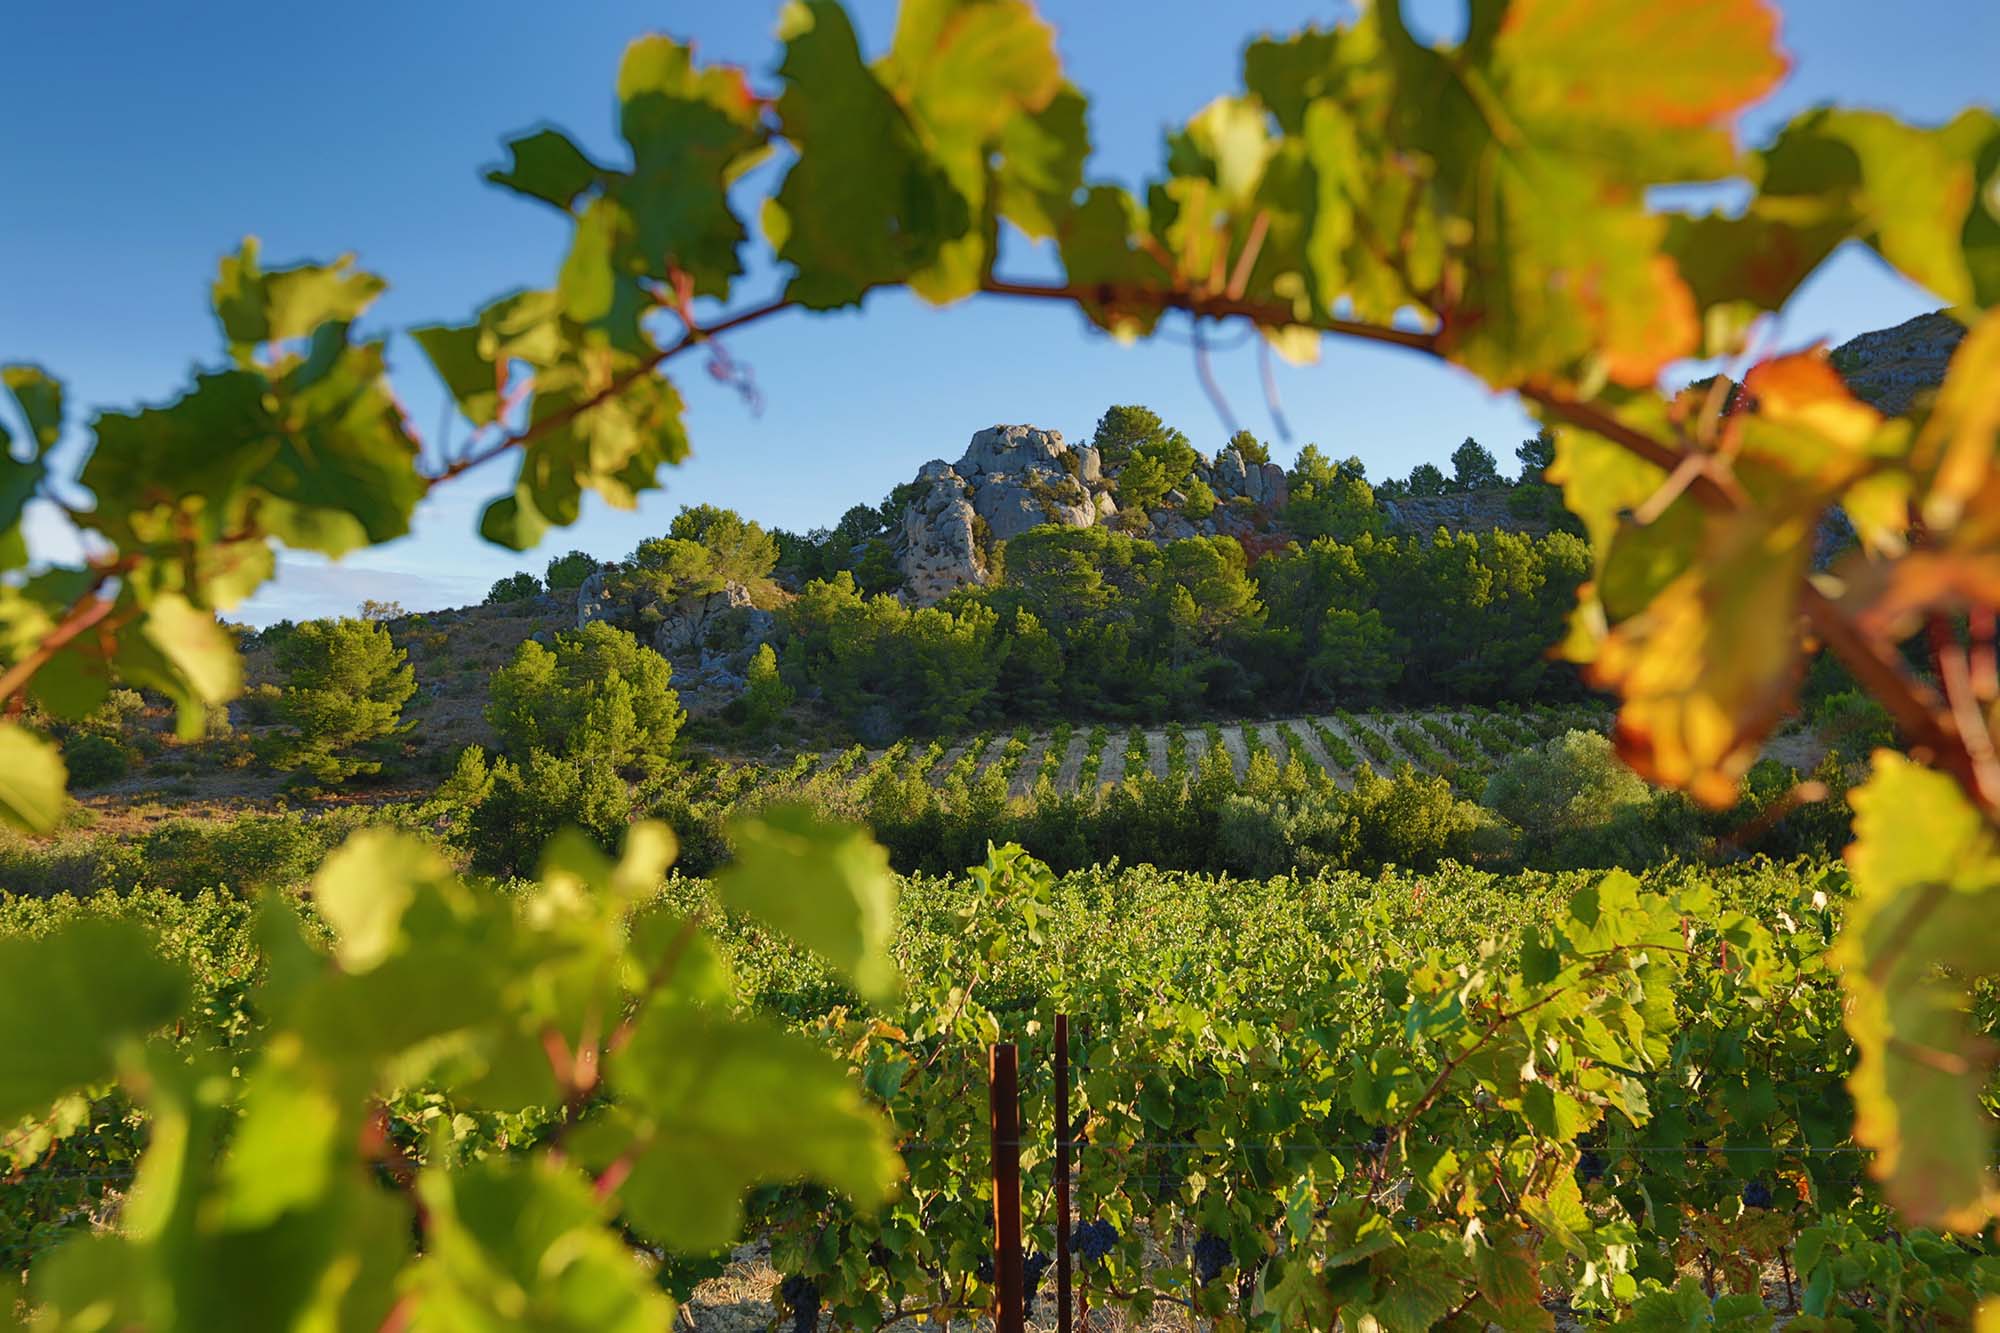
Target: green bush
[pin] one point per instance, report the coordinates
(345, 684)
(94, 760)
(521, 587)
(765, 694)
(526, 804)
(570, 570)
(598, 695)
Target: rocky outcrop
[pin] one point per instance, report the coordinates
(593, 598)
(1010, 479)
(941, 550)
(1888, 368)
(1013, 478)
(726, 619)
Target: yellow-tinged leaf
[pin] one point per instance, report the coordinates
(1687, 64)
(363, 889)
(1926, 869)
(1804, 390)
(32, 779)
(827, 886)
(1707, 668)
(1962, 435)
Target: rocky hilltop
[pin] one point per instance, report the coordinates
(1013, 478)
(1888, 368)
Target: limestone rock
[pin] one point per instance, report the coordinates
(726, 619)
(593, 601)
(1089, 466)
(1888, 368)
(1276, 489)
(940, 545)
(1230, 474)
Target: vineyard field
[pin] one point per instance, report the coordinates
(1624, 1090)
(1074, 759)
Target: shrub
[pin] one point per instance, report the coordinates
(570, 570)
(263, 704)
(346, 683)
(598, 694)
(1200, 500)
(521, 587)
(525, 805)
(765, 694)
(94, 760)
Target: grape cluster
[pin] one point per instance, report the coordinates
(1757, 1194)
(1211, 1256)
(983, 1270)
(1590, 1166)
(1032, 1269)
(1093, 1240)
(801, 1297)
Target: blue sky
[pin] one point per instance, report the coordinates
(145, 139)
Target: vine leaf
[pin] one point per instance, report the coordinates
(965, 70)
(711, 1105)
(73, 1000)
(828, 886)
(693, 132)
(864, 203)
(547, 166)
(1926, 870)
(515, 1244)
(256, 307)
(33, 780)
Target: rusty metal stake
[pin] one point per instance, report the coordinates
(1004, 1122)
(1062, 1174)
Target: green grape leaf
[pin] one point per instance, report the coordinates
(547, 166)
(364, 888)
(710, 1106)
(611, 442)
(33, 780)
(39, 395)
(319, 459)
(1920, 197)
(693, 132)
(185, 654)
(458, 354)
(526, 1245)
(864, 203)
(1041, 164)
(1926, 868)
(257, 307)
(1100, 255)
(71, 1001)
(513, 521)
(965, 70)
(1288, 74)
(827, 886)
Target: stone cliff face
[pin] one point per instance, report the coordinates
(1890, 367)
(1013, 478)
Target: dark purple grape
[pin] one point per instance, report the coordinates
(1032, 1269)
(1093, 1240)
(1756, 1195)
(1211, 1256)
(983, 1270)
(1590, 1166)
(801, 1296)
